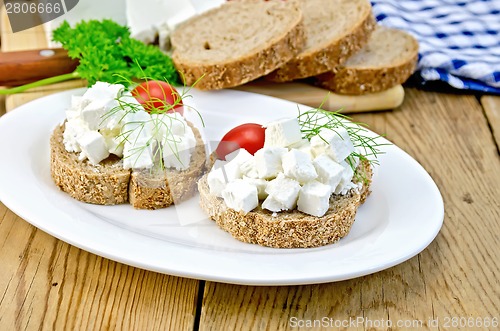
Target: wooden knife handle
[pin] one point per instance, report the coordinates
(22, 67)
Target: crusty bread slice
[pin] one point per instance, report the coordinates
(237, 42)
(104, 184)
(389, 59)
(109, 184)
(335, 29)
(292, 229)
(150, 190)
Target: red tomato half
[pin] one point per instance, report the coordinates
(158, 95)
(249, 136)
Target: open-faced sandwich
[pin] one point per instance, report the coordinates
(119, 145)
(295, 182)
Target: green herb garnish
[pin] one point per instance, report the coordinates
(314, 121)
(106, 53)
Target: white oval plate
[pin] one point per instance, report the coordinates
(401, 217)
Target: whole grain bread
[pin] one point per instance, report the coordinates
(102, 184)
(237, 42)
(389, 59)
(291, 229)
(335, 29)
(154, 190)
(109, 184)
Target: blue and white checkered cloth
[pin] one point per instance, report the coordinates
(459, 40)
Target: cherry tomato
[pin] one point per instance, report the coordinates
(249, 136)
(158, 95)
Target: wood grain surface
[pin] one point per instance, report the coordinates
(46, 284)
(457, 275)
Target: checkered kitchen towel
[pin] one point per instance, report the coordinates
(459, 39)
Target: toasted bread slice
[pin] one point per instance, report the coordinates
(237, 42)
(109, 184)
(102, 184)
(389, 59)
(153, 190)
(291, 229)
(335, 29)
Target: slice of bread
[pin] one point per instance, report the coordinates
(389, 59)
(237, 42)
(150, 190)
(335, 29)
(109, 184)
(291, 229)
(102, 184)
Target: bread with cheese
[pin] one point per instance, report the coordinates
(108, 183)
(288, 229)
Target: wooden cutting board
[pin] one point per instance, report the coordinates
(298, 92)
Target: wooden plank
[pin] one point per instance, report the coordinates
(48, 284)
(491, 106)
(457, 275)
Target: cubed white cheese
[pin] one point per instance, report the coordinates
(102, 90)
(314, 198)
(260, 184)
(225, 172)
(298, 165)
(239, 156)
(93, 147)
(73, 130)
(137, 126)
(282, 133)
(166, 125)
(268, 161)
(273, 205)
(336, 144)
(114, 142)
(329, 172)
(346, 178)
(96, 111)
(303, 145)
(139, 154)
(177, 152)
(282, 190)
(240, 196)
(247, 167)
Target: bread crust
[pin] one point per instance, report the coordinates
(362, 80)
(247, 68)
(104, 184)
(109, 184)
(154, 191)
(292, 229)
(315, 62)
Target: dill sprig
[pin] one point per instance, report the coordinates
(156, 122)
(367, 148)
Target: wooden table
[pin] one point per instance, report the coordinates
(50, 285)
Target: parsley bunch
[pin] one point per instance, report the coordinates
(106, 52)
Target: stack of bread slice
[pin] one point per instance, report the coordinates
(337, 42)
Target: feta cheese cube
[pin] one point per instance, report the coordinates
(329, 171)
(247, 167)
(260, 184)
(282, 133)
(73, 130)
(298, 165)
(177, 152)
(93, 114)
(314, 198)
(137, 126)
(335, 143)
(168, 124)
(225, 172)
(114, 142)
(303, 145)
(268, 161)
(240, 196)
(282, 193)
(139, 154)
(102, 90)
(346, 178)
(93, 147)
(239, 156)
